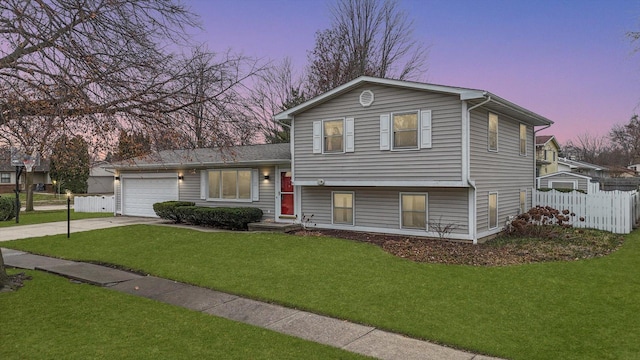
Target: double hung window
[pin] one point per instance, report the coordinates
(333, 135)
(343, 208)
(493, 132)
(413, 211)
(405, 130)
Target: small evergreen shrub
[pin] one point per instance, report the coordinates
(168, 210)
(232, 218)
(7, 208)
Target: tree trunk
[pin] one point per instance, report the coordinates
(28, 184)
(4, 278)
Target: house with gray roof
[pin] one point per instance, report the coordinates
(235, 176)
(374, 155)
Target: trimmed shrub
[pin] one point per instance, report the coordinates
(562, 190)
(7, 208)
(236, 218)
(168, 210)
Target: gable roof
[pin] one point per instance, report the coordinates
(5, 162)
(573, 164)
(565, 173)
(473, 96)
(236, 155)
(542, 140)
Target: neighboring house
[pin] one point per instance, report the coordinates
(634, 167)
(580, 167)
(100, 179)
(373, 155)
(568, 180)
(547, 150)
(41, 179)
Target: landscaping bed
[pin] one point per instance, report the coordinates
(560, 244)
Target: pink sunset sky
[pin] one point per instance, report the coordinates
(569, 61)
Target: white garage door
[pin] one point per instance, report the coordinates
(139, 194)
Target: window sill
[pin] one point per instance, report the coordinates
(230, 200)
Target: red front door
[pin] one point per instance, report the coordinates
(286, 194)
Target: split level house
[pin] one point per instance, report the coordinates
(373, 155)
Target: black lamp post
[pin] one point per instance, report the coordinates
(68, 213)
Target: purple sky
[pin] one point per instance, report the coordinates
(567, 60)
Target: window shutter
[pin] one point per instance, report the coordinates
(350, 135)
(203, 184)
(317, 137)
(255, 185)
(384, 132)
(425, 129)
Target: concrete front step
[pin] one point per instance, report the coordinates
(273, 227)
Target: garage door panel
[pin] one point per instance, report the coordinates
(139, 194)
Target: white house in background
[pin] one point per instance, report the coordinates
(566, 180)
(580, 167)
(374, 155)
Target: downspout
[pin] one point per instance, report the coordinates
(472, 222)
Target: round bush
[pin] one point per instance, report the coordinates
(7, 208)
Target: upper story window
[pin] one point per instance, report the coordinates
(5, 178)
(523, 139)
(334, 136)
(333, 131)
(405, 130)
(229, 185)
(493, 132)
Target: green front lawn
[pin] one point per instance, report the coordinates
(52, 318)
(586, 309)
(39, 217)
(39, 198)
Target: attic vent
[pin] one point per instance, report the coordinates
(366, 98)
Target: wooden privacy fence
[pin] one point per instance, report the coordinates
(614, 211)
(94, 204)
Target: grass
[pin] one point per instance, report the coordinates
(52, 318)
(588, 309)
(39, 217)
(39, 198)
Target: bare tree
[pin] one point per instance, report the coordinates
(275, 90)
(626, 139)
(366, 37)
(79, 58)
(32, 135)
(588, 148)
(213, 106)
(86, 63)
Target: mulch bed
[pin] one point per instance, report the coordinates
(569, 247)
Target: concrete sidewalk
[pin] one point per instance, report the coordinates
(338, 333)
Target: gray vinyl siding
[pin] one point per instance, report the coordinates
(505, 171)
(378, 207)
(117, 194)
(583, 184)
(190, 191)
(442, 162)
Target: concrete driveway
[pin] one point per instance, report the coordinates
(60, 227)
